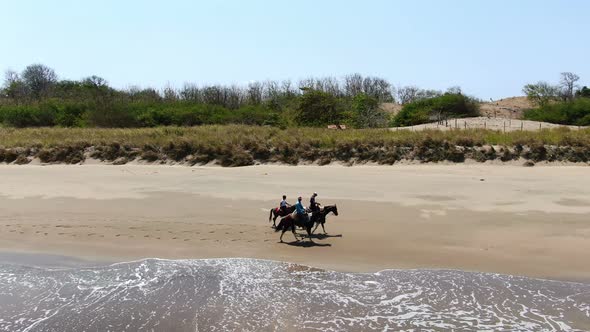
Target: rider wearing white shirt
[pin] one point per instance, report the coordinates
(284, 205)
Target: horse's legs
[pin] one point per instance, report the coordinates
(323, 228)
(283, 233)
(316, 227)
(294, 234)
(286, 228)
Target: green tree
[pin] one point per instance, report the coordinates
(541, 93)
(318, 108)
(367, 113)
(583, 93)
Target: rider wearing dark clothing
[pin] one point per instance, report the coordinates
(313, 205)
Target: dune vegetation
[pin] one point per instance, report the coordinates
(63, 121)
(564, 103)
(240, 145)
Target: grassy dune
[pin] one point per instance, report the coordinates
(235, 145)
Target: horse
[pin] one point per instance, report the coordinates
(321, 216)
(318, 217)
(276, 212)
(288, 222)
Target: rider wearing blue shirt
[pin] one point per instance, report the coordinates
(300, 208)
(301, 212)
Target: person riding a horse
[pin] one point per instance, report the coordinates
(300, 210)
(313, 205)
(284, 205)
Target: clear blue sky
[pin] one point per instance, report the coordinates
(488, 47)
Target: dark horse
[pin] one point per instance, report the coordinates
(276, 212)
(321, 217)
(318, 218)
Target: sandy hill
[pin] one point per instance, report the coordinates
(392, 108)
(511, 108)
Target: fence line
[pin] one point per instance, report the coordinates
(498, 124)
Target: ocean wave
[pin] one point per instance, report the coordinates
(260, 295)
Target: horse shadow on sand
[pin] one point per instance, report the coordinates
(307, 241)
(307, 244)
(324, 236)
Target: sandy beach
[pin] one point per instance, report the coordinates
(503, 219)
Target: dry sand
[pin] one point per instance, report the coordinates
(491, 123)
(514, 220)
(512, 108)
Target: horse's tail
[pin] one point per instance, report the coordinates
(270, 216)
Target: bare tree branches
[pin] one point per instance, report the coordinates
(410, 94)
(39, 80)
(568, 84)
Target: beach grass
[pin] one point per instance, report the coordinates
(237, 145)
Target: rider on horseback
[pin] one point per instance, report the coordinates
(300, 210)
(284, 205)
(313, 205)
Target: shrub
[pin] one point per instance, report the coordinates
(575, 112)
(583, 92)
(448, 105)
(28, 116)
(70, 115)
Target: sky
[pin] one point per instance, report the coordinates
(490, 48)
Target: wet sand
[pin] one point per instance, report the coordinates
(511, 220)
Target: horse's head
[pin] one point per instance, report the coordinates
(333, 208)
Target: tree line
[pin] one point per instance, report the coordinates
(38, 97)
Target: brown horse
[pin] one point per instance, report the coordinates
(275, 213)
(318, 217)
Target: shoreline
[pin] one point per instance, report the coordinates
(60, 263)
(518, 221)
